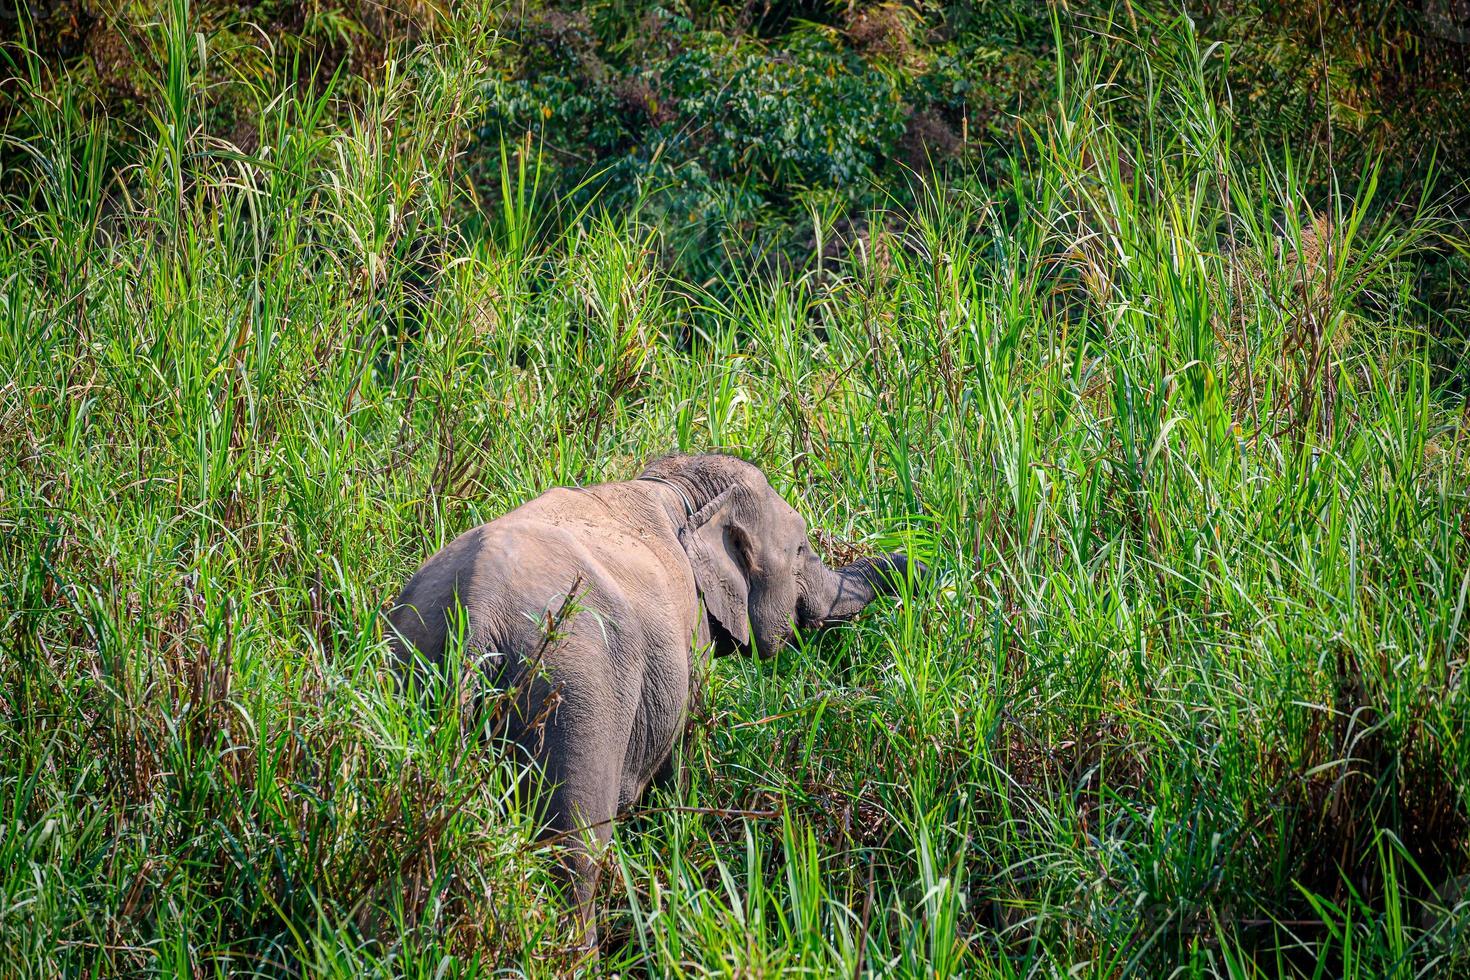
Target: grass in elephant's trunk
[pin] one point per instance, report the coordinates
(837, 552)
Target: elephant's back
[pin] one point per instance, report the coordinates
(511, 580)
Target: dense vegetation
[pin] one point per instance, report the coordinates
(743, 132)
(1149, 380)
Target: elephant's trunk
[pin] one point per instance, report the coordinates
(850, 588)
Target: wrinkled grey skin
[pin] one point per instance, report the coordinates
(656, 588)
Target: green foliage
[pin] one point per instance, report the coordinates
(764, 134)
(1185, 697)
(735, 136)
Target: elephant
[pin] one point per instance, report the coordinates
(598, 607)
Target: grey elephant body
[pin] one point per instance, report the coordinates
(598, 605)
(619, 664)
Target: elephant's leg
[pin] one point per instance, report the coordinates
(582, 825)
(668, 774)
(581, 771)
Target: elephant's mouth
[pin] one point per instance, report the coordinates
(806, 620)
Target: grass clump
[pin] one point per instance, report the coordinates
(1185, 698)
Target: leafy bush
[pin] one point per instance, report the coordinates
(735, 134)
(754, 133)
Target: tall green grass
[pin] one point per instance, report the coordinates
(1184, 699)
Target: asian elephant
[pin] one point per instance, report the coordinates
(597, 605)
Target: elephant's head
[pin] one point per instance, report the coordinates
(753, 562)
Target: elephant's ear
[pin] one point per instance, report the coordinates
(718, 546)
